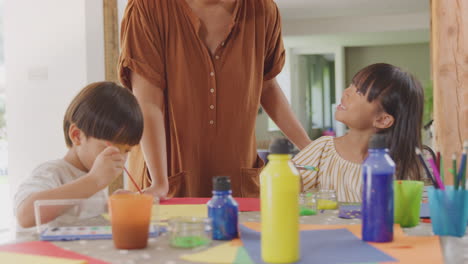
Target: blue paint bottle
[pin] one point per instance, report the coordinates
(223, 210)
(377, 200)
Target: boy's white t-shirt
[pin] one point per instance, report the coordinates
(50, 175)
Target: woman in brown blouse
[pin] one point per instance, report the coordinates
(200, 70)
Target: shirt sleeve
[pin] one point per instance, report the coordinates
(142, 44)
(41, 179)
(275, 53)
(311, 156)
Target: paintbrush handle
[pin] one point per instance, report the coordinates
(128, 173)
(454, 168)
(428, 172)
(461, 173)
(436, 174)
(465, 151)
(306, 167)
(133, 181)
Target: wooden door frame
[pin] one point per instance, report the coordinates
(111, 58)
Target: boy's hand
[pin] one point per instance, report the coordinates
(108, 165)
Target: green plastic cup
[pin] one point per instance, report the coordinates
(408, 196)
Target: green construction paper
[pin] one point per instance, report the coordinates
(243, 257)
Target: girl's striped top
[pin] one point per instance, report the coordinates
(334, 172)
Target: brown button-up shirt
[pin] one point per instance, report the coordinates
(211, 99)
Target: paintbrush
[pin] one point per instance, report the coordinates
(454, 170)
(428, 172)
(436, 173)
(441, 169)
(306, 167)
(461, 170)
(463, 179)
(437, 161)
(128, 173)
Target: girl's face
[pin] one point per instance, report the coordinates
(355, 111)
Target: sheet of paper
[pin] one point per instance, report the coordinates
(245, 204)
(413, 249)
(16, 258)
(46, 249)
(355, 229)
(195, 207)
(322, 246)
(164, 212)
(243, 257)
(407, 249)
(222, 254)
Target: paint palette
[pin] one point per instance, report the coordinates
(83, 233)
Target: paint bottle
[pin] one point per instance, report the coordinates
(223, 210)
(378, 171)
(279, 194)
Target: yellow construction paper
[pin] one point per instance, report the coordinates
(6, 257)
(164, 212)
(224, 253)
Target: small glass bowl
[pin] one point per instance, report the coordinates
(326, 200)
(307, 203)
(190, 232)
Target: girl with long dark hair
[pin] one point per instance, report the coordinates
(382, 98)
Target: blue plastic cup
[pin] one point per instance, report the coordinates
(449, 211)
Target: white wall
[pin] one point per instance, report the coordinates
(414, 58)
(53, 48)
(121, 4)
(356, 24)
(94, 35)
(333, 35)
(335, 44)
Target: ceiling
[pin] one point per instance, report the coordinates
(302, 9)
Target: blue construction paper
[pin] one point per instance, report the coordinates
(322, 246)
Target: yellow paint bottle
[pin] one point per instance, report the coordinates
(279, 194)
